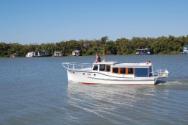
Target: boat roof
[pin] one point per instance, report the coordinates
(106, 62)
(133, 65)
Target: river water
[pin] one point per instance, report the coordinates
(35, 91)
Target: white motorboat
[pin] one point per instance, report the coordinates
(106, 72)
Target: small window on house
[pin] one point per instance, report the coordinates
(130, 70)
(122, 70)
(108, 68)
(95, 67)
(102, 67)
(115, 70)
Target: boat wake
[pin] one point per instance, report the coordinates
(116, 104)
(175, 82)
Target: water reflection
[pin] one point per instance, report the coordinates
(110, 94)
(110, 101)
(118, 104)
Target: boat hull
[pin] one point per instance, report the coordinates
(100, 78)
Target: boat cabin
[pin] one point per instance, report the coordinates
(122, 69)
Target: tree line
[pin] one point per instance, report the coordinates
(121, 46)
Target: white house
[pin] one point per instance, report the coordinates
(76, 53)
(185, 49)
(58, 53)
(30, 54)
(144, 51)
(37, 54)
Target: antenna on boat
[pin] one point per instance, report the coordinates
(104, 53)
(103, 41)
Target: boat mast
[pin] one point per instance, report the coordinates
(103, 41)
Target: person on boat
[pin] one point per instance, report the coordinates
(98, 58)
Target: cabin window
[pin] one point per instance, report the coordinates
(150, 71)
(108, 68)
(115, 70)
(102, 67)
(122, 70)
(95, 67)
(130, 71)
(141, 72)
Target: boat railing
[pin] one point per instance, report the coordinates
(163, 73)
(75, 65)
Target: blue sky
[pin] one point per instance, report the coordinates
(40, 21)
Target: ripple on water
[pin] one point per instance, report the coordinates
(130, 103)
(35, 92)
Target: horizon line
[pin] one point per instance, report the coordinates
(88, 39)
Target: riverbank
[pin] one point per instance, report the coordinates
(122, 46)
(51, 56)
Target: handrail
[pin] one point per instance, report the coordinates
(75, 65)
(163, 73)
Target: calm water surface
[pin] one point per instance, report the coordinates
(34, 91)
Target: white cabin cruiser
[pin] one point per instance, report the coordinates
(106, 72)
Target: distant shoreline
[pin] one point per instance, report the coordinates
(170, 45)
(101, 56)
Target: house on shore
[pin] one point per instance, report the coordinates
(58, 53)
(144, 51)
(30, 54)
(13, 55)
(37, 54)
(76, 53)
(185, 49)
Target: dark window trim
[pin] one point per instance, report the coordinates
(103, 69)
(96, 68)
